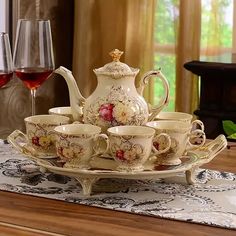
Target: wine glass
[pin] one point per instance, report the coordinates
(33, 54)
(6, 67)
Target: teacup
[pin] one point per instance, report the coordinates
(39, 134)
(180, 116)
(66, 111)
(130, 146)
(181, 135)
(76, 144)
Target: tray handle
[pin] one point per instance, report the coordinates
(19, 141)
(213, 148)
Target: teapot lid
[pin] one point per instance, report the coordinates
(116, 68)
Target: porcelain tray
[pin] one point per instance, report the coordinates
(102, 167)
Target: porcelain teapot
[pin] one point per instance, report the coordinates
(115, 101)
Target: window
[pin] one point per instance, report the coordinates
(165, 38)
(216, 38)
(217, 30)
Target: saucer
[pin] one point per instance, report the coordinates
(29, 151)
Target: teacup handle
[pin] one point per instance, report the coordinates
(21, 147)
(167, 137)
(197, 133)
(165, 99)
(96, 148)
(198, 123)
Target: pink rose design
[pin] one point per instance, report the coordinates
(120, 154)
(35, 140)
(105, 111)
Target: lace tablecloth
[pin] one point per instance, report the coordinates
(211, 201)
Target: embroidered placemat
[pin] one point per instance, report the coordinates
(211, 201)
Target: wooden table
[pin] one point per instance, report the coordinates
(27, 215)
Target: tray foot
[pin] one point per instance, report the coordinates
(86, 183)
(190, 175)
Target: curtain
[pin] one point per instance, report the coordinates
(103, 25)
(187, 49)
(218, 33)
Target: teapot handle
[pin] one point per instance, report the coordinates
(165, 99)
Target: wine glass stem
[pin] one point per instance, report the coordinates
(33, 93)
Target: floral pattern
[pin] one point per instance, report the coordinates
(160, 143)
(117, 108)
(125, 151)
(106, 112)
(41, 137)
(67, 153)
(128, 156)
(69, 149)
(211, 201)
(122, 113)
(43, 141)
(170, 154)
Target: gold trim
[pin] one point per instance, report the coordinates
(116, 54)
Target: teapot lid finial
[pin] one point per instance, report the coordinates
(116, 69)
(116, 54)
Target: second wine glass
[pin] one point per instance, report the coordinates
(6, 68)
(33, 54)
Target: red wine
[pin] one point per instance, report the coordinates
(5, 78)
(33, 77)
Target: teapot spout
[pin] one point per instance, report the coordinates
(76, 98)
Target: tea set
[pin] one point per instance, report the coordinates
(115, 125)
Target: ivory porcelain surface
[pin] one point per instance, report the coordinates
(107, 168)
(116, 100)
(131, 146)
(77, 143)
(179, 116)
(180, 134)
(39, 134)
(63, 111)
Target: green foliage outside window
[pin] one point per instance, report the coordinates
(217, 24)
(166, 18)
(167, 64)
